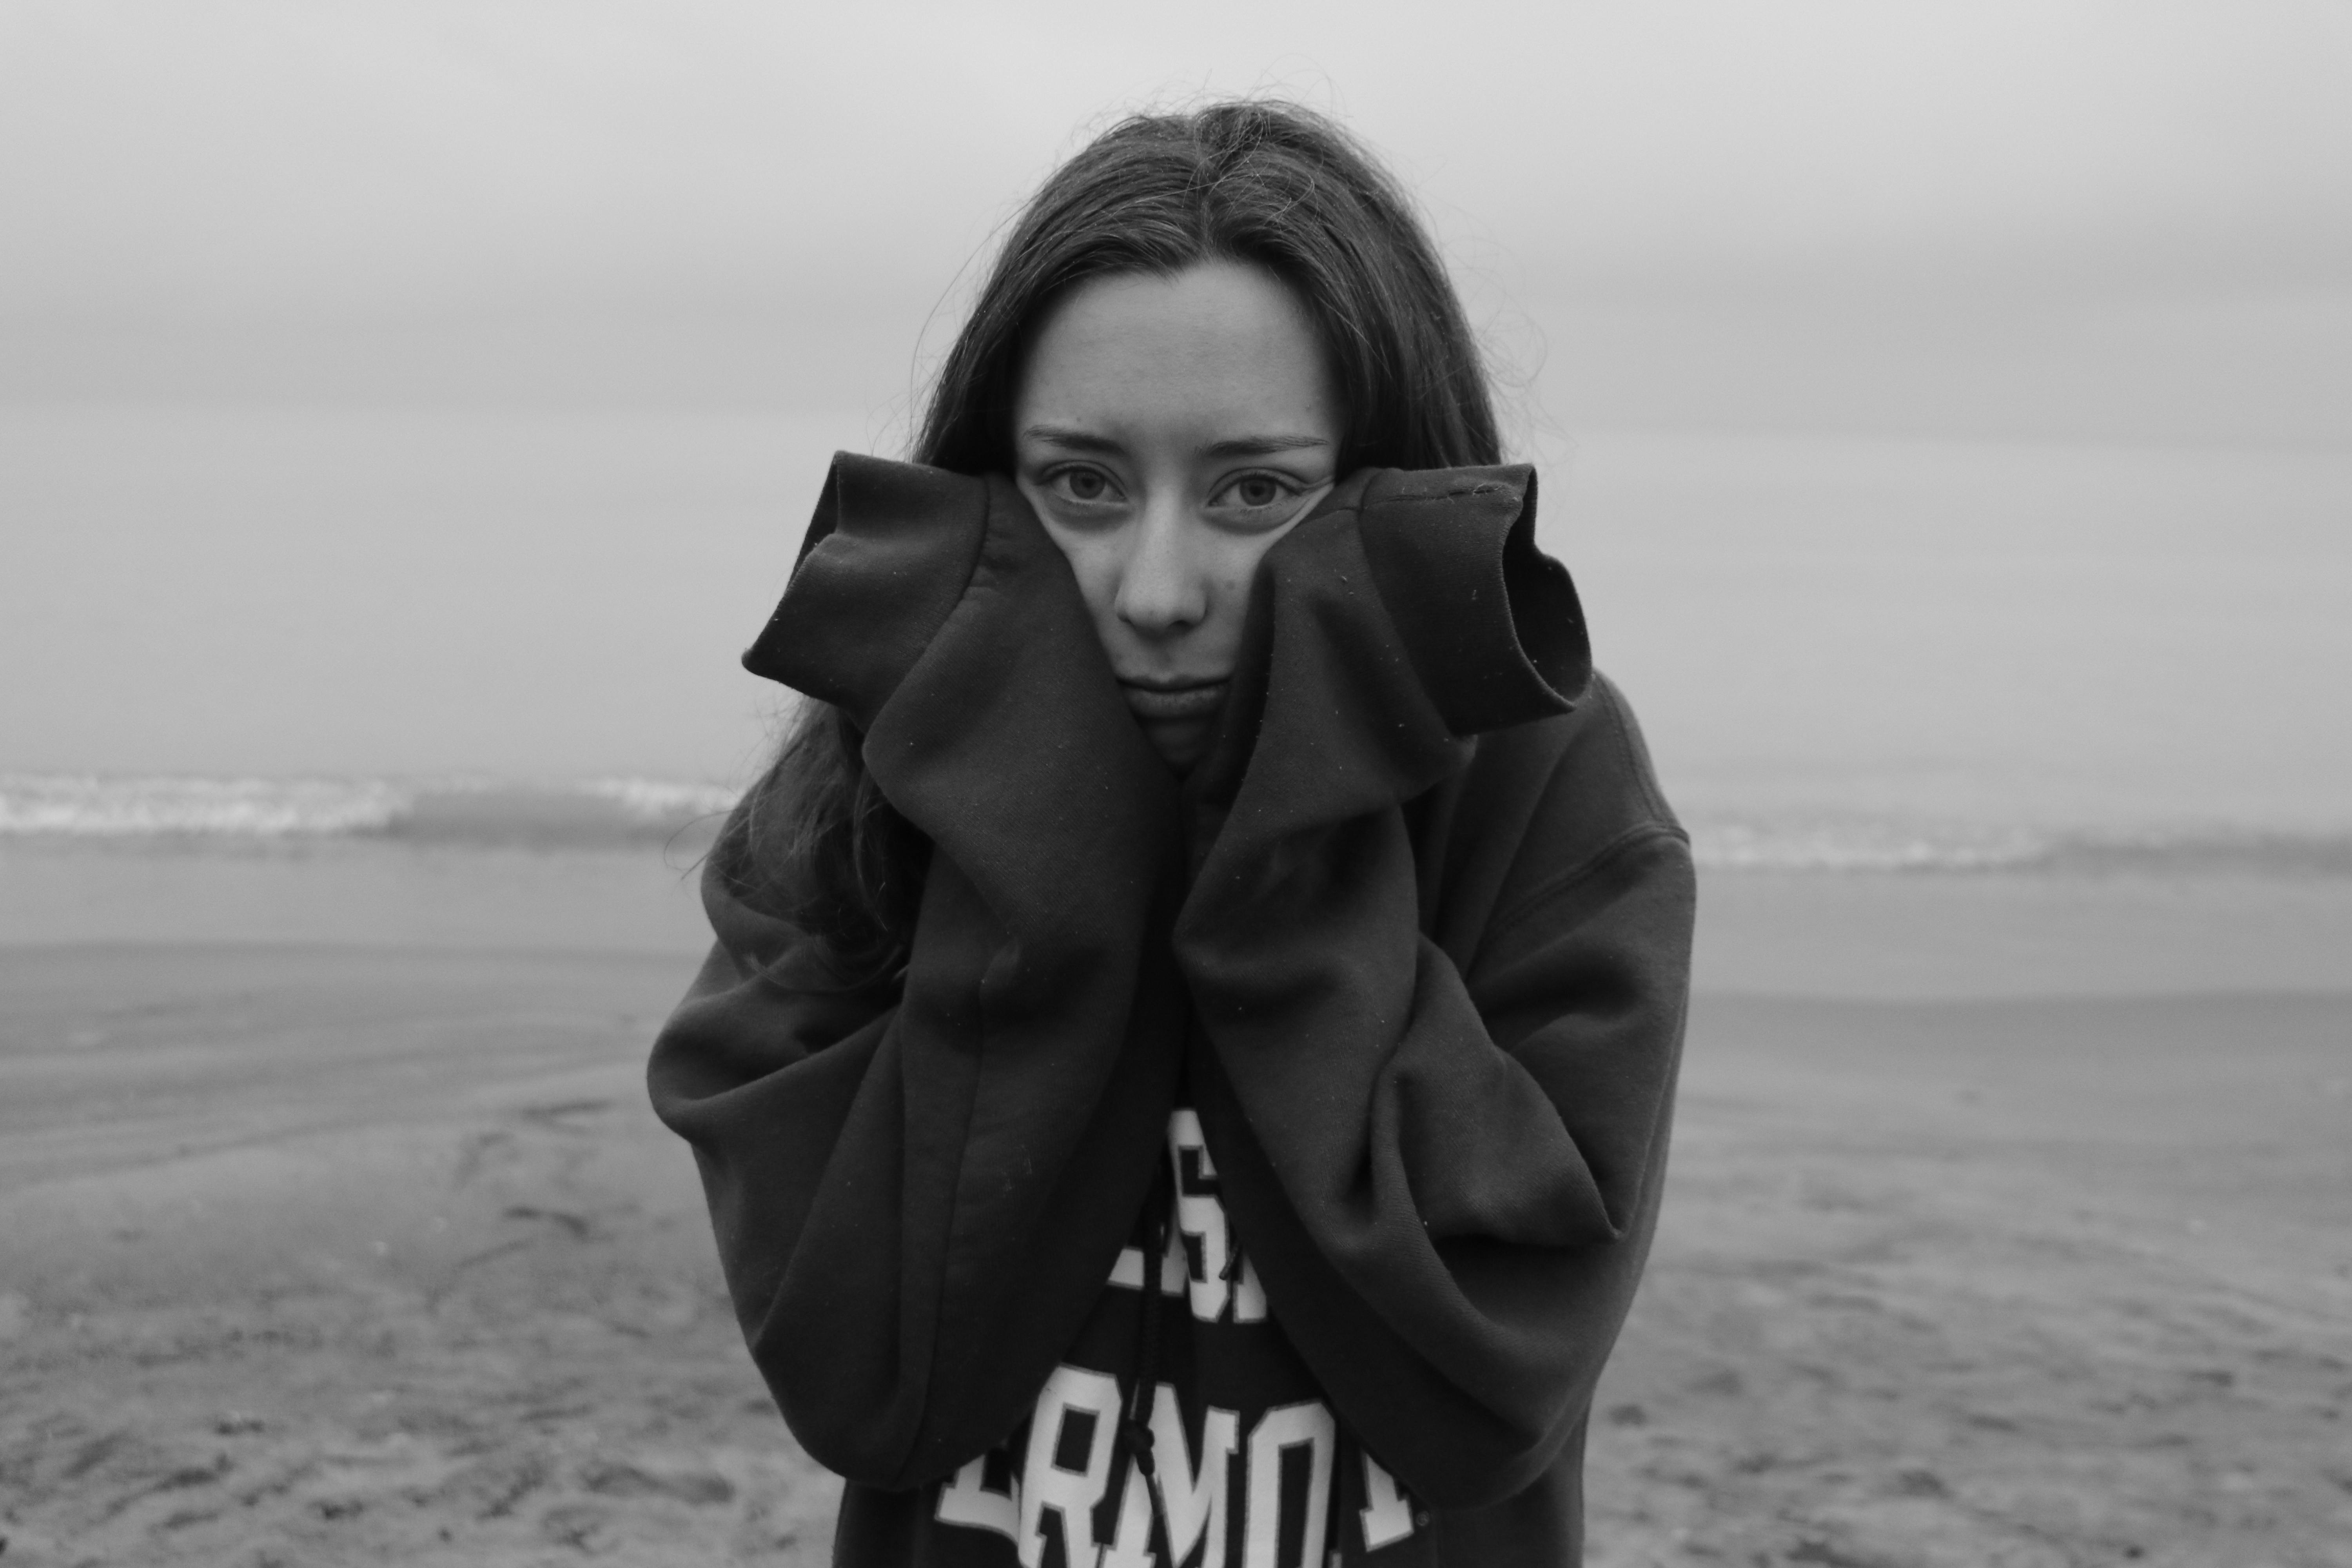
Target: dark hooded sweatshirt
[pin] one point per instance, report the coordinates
(1372, 1022)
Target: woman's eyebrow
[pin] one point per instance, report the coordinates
(1261, 445)
(1074, 441)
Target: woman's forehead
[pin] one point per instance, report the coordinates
(1220, 353)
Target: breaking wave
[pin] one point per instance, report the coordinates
(1875, 845)
(580, 813)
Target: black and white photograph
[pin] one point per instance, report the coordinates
(1282, 785)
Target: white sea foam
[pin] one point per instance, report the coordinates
(1801, 844)
(85, 805)
(1868, 845)
(662, 800)
(444, 810)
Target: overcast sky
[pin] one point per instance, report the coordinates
(2127, 219)
(488, 354)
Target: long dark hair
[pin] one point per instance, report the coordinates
(1266, 183)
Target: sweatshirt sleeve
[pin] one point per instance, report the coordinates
(1446, 1158)
(917, 1192)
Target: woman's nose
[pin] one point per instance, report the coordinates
(1162, 591)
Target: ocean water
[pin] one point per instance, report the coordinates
(1847, 907)
(481, 863)
(182, 815)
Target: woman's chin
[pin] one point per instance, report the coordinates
(1180, 742)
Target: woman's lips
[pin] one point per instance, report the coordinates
(1160, 704)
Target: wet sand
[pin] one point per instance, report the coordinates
(374, 1254)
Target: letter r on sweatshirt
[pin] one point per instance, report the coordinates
(1070, 1392)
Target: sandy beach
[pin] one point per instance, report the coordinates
(370, 1252)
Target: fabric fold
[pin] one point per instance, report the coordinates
(889, 552)
(1492, 623)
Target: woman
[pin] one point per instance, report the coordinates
(1184, 1073)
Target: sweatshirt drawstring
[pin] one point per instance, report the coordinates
(1133, 1441)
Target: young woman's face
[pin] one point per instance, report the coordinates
(1168, 431)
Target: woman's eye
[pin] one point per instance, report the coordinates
(1083, 484)
(1255, 490)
